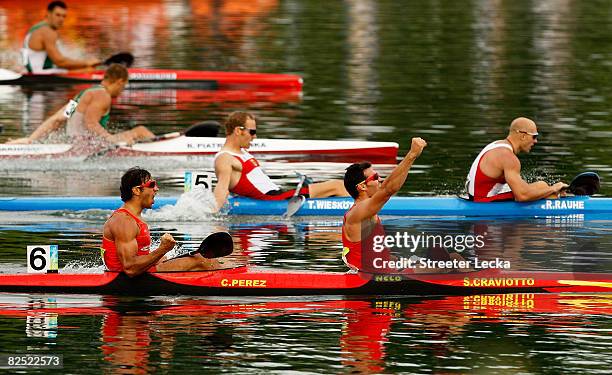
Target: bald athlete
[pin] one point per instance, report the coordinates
(495, 175)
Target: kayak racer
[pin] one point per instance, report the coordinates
(239, 172)
(86, 116)
(495, 174)
(126, 238)
(40, 51)
(361, 224)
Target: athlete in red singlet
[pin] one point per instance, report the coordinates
(126, 237)
(353, 253)
(239, 172)
(495, 174)
(143, 240)
(361, 222)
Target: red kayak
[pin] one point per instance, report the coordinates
(244, 282)
(142, 78)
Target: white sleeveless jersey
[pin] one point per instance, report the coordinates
(253, 181)
(471, 178)
(37, 61)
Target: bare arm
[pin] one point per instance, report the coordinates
(49, 41)
(54, 122)
(390, 186)
(124, 232)
(223, 170)
(523, 191)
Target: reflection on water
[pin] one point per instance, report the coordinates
(564, 244)
(453, 334)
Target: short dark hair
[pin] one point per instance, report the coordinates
(235, 120)
(353, 176)
(116, 72)
(54, 4)
(132, 177)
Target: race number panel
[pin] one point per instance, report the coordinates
(202, 178)
(42, 258)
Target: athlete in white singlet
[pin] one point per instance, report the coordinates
(495, 174)
(240, 173)
(40, 52)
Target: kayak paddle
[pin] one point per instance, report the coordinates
(586, 183)
(208, 128)
(297, 201)
(216, 245)
(123, 58)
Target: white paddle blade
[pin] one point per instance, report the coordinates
(294, 205)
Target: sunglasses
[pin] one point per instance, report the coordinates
(373, 177)
(151, 184)
(533, 135)
(251, 131)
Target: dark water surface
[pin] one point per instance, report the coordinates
(515, 333)
(454, 73)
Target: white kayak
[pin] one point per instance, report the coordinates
(184, 145)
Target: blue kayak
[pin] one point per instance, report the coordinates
(397, 206)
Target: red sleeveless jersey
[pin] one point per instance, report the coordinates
(360, 255)
(143, 239)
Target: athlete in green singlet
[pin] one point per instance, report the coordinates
(40, 52)
(86, 115)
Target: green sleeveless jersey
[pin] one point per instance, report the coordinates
(75, 101)
(35, 61)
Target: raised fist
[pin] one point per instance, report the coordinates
(417, 146)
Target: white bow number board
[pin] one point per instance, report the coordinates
(42, 258)
(193, 178)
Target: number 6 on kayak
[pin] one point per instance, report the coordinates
(42, 259)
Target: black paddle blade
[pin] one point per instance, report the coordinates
(123, 58)
(586, 183)
(216, 245)
(203, 129)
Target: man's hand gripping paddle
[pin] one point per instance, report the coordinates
(216, 245)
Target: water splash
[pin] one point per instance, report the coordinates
(80, 266)
(197, 204)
